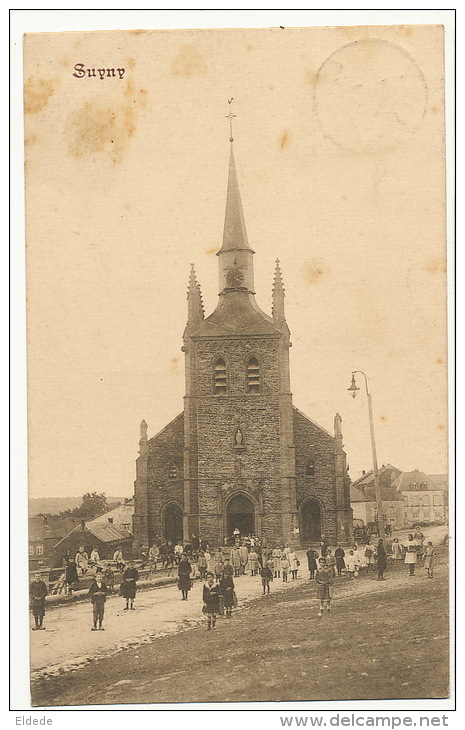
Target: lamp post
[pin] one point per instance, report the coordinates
(379, 500)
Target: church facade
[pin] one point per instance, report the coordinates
(240, 455)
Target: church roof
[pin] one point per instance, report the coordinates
(296, 410)
(237, 313)
(168, 425)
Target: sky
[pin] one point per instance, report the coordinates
(340, 156)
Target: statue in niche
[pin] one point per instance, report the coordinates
(239, 439)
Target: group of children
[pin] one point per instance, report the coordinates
(98, 591)
(219, 572)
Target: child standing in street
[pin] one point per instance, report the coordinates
(331, 561)
(351, 564)
(98, 595)
(267, 575)
(339, 554)
(284, 562)
(396, 549)
(428, 556)
(227, 591)
(324, 580)
(211, 600)
(128, 586)
(381, 558)
(109, 578)
(37, 593)
(202, 565)
(312, 564)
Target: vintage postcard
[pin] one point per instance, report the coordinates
(237, 365)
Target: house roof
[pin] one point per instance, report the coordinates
(357, 496)
(368, 477)
(106, 532)
(51, 527)
(120, 515)
(432, 482)
(388, 494)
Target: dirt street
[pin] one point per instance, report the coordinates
(383, 640)
(158, 612)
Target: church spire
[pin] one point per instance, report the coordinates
(234, 232)
(278, 295)
(195, 312)
(235, 254)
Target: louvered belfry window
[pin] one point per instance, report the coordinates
(253, 376)
(219, 376)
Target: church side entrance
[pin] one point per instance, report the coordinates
(310, 521)
(173, 523)
(240, 513)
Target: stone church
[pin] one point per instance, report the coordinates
(240, 455)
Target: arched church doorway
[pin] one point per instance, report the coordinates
(173, 523)
(240, 513)
(310, 521)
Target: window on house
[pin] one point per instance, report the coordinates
(172, 471)
(40, 549)
(310, 469)
(31, 549)
(253, 375)
(219, 376)
(426, 500)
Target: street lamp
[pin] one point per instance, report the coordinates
(379, 501)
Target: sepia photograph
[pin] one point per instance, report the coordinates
(237, 365)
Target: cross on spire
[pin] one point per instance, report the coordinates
(230, 116)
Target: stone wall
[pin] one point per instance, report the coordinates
(314, 444)
(165, 451)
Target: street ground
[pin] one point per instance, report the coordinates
(383, 640)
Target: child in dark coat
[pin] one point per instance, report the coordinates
(227, 591)
(184, 577)
(311, 560)
(128, 586)
(98, 595)
(267, 575)
(211, 600)
(37, 592)
(324, 581)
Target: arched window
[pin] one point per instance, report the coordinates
(219, 376)
(172, 471)
(310, 468)
(253, 376)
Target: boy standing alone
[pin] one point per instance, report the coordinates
(98, 596)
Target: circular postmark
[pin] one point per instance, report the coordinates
(370, 95)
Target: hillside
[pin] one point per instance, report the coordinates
(55, 505)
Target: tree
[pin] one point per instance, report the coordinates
(92, 505)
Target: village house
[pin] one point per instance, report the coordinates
(45, 531)
(425, 496)
(106, 533)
